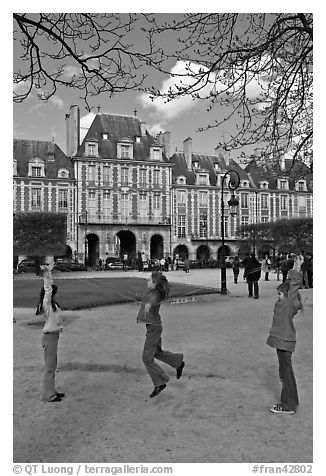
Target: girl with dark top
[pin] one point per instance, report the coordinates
(158, 290)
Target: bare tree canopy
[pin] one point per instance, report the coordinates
(255, 67)
(90, 52)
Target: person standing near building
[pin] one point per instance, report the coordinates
(158, 290)
(252, 273)
(282, 337)
(236, 269)
(52, 329)
(266, 266)
(186, 266)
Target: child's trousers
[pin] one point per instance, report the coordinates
(153, 349)
(50, 347)
(289, 394)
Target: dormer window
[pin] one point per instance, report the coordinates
(63, 173)
(105, 136)
(301, 186)
(195, 164)
(283, 184)
(244, 183)
(36, 168)
(138, 139)
(92, 149)
(202, 179)
(15, 167)
(216, 166)
(263, 184)
(156, 152)
(125, 149)
(181, 180)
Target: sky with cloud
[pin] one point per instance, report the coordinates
(35, 119)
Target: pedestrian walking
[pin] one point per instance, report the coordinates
(186, 266)
(162, 264)
(266, 266)
(149, 313)
(100, 262)
(305, 266)
(282, 337)
(252, 273)
(236, 269)
(286, 265)
(52, 329)
(310, 271)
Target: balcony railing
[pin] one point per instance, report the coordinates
(124, 219)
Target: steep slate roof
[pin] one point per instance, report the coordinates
(205, 162)
(118, 127)
(26, 150)
(293, 172)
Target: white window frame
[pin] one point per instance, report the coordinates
(181, 226)
(181, 197)
(142, 177)
(124, 176)
(156, 177)
(156, 201)
(36, 163)
(63, 198)
(284, 202)
(92, 172)
(36, 197)
(244, 200)
(263, 197)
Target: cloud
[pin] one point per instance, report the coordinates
(184, 74)
(168, 110)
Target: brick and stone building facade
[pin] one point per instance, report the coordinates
(126, 197)
(43, 180)
(123, 182)
(263, 197)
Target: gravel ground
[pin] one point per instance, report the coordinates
(216, 413)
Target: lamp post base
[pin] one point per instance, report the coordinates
(223, 281)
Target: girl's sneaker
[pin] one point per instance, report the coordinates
(279, 409)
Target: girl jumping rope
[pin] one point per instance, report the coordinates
(158, 290)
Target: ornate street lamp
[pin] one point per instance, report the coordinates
(233, 203)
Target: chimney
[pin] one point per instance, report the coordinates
(72, 130)
(223, 153)
(167, 143)
(143, 128)
(187, 150)
(282, 163)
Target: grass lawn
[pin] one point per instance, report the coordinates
(92, 292)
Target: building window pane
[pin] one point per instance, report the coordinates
(36, 197)
(202, 198)
(156, 177)
(91, 149)
(106, 174)
(156, 201)
(301, 186)
(36, 171)
(203, 225)
(264, 200)
(244, 200)
(181, 226)
(125, 151)
(284, 202)
(181, 197)
(124, 176)
(91, 173)
(142, 177)
(63, 198)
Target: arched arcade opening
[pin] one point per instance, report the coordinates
(156, 247)
(181, 252)
(126, 245)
